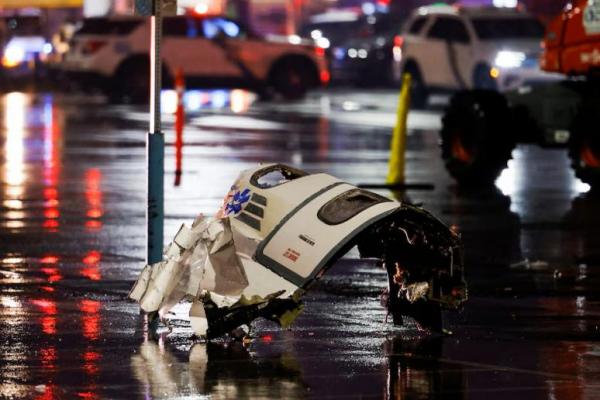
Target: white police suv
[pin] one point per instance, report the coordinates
(212, 51)
(23, 46)
(453, 47)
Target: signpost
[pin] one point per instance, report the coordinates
(155, 142)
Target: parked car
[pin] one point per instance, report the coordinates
(212, 51)
(23, 46)
(330, 29)
(448, 47)
(366, 56)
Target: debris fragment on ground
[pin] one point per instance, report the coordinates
(279, 230)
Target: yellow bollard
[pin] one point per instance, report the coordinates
(398, 145)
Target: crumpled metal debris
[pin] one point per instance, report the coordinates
(279, 230)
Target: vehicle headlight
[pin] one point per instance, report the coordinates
(358, 53)
(294, 39)
(323, 42)
(316, 34)
(13, 56)
(509, 59)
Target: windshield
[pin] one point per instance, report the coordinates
(22, 26)
(379, 25)
(335, 32)
(508, 28)
(105, 26)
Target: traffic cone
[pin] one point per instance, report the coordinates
(395, 177)
(398, 145)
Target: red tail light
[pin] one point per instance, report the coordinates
(325, 77)
(320, 51)
(92, 46)
(398, 41)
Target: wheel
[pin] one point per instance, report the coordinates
(482, 78)
(291, 79)
(418, 90)
(584, 146)
(476, 137)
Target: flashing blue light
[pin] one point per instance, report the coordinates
(368, 8)
(47, 48)
(219, 98)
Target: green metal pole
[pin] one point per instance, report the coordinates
(155, 145)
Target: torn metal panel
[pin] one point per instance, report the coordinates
(279, 229)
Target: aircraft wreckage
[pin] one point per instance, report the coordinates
(278, 231)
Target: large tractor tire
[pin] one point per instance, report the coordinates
(477, 137)
(584, 146)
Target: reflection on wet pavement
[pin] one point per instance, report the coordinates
(72, 240)
(216, 371)
(415, 371)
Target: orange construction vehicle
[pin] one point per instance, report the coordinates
(572, 42)
(481, 127)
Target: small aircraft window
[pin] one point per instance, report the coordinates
(275, 176)
(347, 205)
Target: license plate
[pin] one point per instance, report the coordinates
(561, 136)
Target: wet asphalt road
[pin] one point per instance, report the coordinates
(72, 240)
